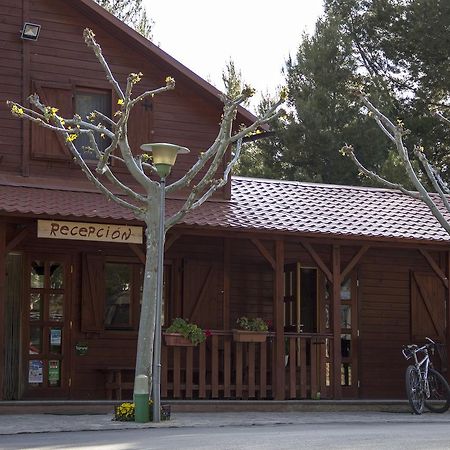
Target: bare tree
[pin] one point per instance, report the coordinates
(396, 132)
(145, 206)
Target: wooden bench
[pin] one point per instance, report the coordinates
(114, 381)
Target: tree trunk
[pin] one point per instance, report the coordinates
(144, 355)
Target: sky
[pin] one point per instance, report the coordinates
(257, 35)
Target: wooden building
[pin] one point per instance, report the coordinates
(346, 275)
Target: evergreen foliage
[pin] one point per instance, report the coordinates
(131, 12)
(399, 51)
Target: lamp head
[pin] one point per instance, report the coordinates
(30, 31)
(164, 156)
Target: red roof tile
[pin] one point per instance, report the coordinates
(263, 205)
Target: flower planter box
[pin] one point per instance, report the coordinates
(125, 412)
(177, 340)
(249, 336)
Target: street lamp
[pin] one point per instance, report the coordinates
(164, 157)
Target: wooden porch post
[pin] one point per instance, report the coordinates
(2, 305)
(336, 314)
(226, 283)
(279, 320)
(447, 331)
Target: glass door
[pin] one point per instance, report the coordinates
(349, 335)
(46, 330)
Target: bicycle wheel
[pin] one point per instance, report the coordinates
(414, 389)
(439, 400)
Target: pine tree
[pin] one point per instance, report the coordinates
(131, 12)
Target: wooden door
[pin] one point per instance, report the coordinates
(427, 307)
(46, 327)
(203, 294)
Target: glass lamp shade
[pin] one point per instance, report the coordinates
(164, 156)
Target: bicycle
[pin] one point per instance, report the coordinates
(425, 386)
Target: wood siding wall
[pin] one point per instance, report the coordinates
(199, 284)
(385, 319)
(60, 59)
(10, 85)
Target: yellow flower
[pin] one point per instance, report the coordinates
(135, 77)
(170, 81)
(71, 137)
(16, 110)
(120, 101)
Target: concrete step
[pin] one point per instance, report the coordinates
(198, 406)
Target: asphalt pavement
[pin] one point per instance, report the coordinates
(51, 423)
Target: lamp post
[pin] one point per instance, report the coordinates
(164, 157)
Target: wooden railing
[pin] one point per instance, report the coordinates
(223, 369)
(308, 365)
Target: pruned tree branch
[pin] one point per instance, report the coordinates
(193, 202)
(395, 133)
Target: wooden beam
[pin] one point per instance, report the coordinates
(355, 260)
(18, 238)
(278, 306)
(137, 250)
(3, 255)
(170, 240)
(264, 252)
(336, 314)
(435, 267)
(318, 260)
(226, 283)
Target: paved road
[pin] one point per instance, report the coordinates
(355, 435)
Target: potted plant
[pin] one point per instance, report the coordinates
(183, 333)
(250, 330)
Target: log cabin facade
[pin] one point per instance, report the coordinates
(345, 275)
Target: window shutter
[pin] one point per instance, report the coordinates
(427, 307)
(202, 298)
(46, 144)
(93, 293)
(140, 125)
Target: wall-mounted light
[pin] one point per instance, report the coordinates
(30, 31)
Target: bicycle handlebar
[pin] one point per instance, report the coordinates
(410, 349)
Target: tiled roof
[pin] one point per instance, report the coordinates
(262, 205)
(333, 210)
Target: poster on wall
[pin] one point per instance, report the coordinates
(55, 336)
(53, 373)
(35, 372)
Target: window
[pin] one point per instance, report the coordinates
(87, 101)
(123, 282)
(111, 293)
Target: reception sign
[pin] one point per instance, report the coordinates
(100, 232)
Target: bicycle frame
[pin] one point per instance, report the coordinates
(423, 371)
(425, 361)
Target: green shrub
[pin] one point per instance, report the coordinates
(188, 330)
(258, 324)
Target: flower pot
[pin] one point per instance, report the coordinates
(249, 336)
(177, 340)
